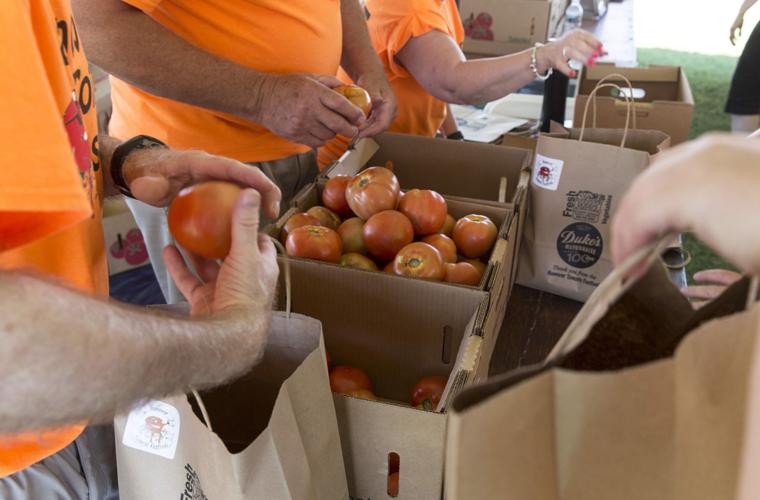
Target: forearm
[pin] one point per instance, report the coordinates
(67, 357)
(358, 58)
(483, 80)
(745, 7)
(131, 46)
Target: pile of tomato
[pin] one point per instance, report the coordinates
(366, 222)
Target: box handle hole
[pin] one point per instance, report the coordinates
(394, 469)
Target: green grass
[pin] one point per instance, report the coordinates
(710, 79)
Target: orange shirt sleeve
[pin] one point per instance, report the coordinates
(40, 187)
(146, 6)
(397, 21)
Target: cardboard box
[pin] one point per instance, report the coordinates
(663, 99)
(398, 331)
(500, 27)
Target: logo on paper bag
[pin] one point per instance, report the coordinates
(192, 489)
(547, 172)
(153, 428)
(586, 206)
(580, 245)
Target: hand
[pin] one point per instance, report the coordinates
(736, 30)
(155, 176)
(578, 45)
(383, 105)
(304, 109)
(711, 283)
(708, 186)
(245, 282)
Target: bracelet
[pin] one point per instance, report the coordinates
(120, 155)
(534, 63)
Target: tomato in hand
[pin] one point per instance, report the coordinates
(426, 209)
(386, 233)
(419, 260)
(358, 97)
(200, 218)
(297, 220)
(344, 379)
(427, 393)
(357, 261)
(334, 195)
(352, 234)
(448, 225)
(462, 273)
(314, 242)
(371, 191)
(325, 216)
(443, 244)
(474, 235)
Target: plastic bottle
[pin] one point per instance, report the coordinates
(573, 16)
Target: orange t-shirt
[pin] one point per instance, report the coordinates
(392, 23)
(50, 180)
(271, 36)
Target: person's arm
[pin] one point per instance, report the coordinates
(736, 27)
(66, 357)
(361, 63)
(128, 44)
(709, 186)
(438, 64)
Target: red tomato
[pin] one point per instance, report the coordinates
(426, 209)
(393, 484)
(344, 379)
(314, 242)
(448, 225)
(419, 260)
(371, 191)
(386, 233)
(428, 391)
(463, 273)
(357, 261)
(325, 216)
(362, 394)
(297, 220)
(389, 268)
(351, 232)
(474, 235)
(443, 244)
(481, 268)
(334, 195)
(200, 218)
(358, 97)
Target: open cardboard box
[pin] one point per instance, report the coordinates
(501, 215)
(455, 169)
(398, 331)
(501, 27)
(662, 95)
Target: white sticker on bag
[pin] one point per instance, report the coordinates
(153, 428)
(547, 172)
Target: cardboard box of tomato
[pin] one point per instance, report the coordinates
(397, 331)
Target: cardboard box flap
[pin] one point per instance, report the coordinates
(353, 160)
(651, 84)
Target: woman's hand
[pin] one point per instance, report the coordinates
(578, 45)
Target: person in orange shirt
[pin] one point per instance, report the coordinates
(418, 42)
(68, 357)
(248, 79)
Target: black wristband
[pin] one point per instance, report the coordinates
(456, 136)
(120, 155)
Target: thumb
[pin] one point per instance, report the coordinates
(153, 190)
(245, 225)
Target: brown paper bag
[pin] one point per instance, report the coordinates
(578, 179)
(275, 433)
(642, 399)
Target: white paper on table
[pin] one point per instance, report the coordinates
(481, 125)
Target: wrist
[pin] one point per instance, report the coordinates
(543, 59)
(259, 94)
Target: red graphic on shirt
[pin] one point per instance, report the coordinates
(80, 147)
(130, 248)
(479, 28)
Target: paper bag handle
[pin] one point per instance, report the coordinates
(614, 76)
(592, 96)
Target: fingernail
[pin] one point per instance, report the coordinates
(590, 62)
(250, 198)
(600, 45)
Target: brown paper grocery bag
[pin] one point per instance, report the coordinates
(578, 179)
(643, 399)
(275, 433)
